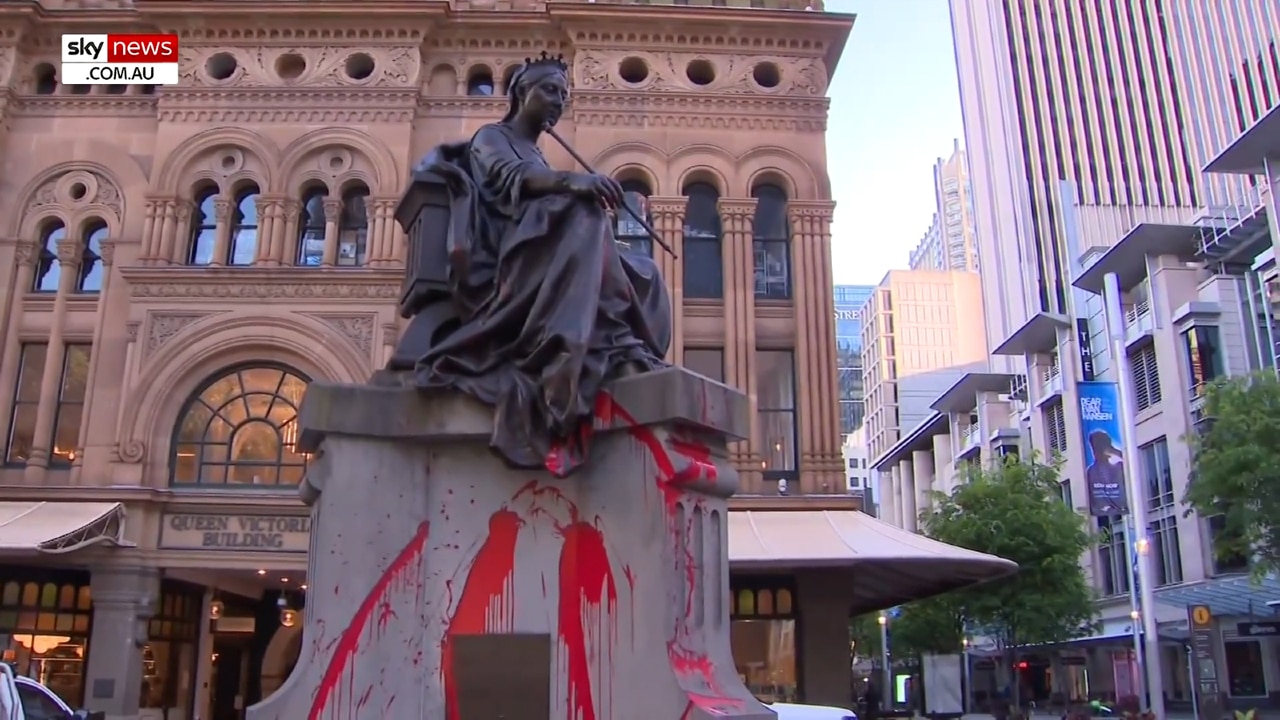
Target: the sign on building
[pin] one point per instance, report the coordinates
(249, 533)
(1265, 628)
(1085, 344)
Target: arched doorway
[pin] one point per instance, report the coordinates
(281, 657)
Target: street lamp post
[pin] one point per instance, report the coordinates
(886, 692)
(1137, 500)
(966, 687)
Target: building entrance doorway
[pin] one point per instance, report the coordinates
(228, 682)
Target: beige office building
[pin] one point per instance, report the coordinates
(951, 242)
(1088, 128)
(917, 321)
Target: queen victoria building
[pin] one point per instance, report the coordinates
(177, 263)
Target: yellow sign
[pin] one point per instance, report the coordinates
(1201, 616)
(247, 533)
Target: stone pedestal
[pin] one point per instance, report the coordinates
(446, 586)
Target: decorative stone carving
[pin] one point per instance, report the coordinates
(221, 209)
(390, 333)
(70, 253)
(356, 328)
(668, 72)
(332, 209)
(132, 451)
(267, 291)
(163, 326)
(312, 67)
(108, 195)
(131, 331)
(77, 188)
(107, 251)
(25, 253)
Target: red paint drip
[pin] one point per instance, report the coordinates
(695, 464)
(486, 603)
(587, 592)
(343, 660)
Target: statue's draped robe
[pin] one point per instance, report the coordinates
(550, 308)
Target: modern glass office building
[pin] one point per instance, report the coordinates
(849, 300)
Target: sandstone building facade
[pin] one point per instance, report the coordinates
(177, 263)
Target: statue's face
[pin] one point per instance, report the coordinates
(545, 98)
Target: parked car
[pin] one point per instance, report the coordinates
(22, 698)
(789, 711)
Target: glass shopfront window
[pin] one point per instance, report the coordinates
(45, 623)
(1244, 668)
(169, 657)
(763, 637)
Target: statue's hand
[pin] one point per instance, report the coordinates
(603, 189)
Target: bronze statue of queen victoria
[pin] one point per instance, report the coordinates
(521, 297)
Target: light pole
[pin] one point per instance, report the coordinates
(1137, 499)
(886, 692)
(966, 688)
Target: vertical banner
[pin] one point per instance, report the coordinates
(1103, 458)
(1085, 345)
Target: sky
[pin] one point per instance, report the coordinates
(895, 109)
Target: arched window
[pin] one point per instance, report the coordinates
(703, 269)
(90, 280)
(48, 269)
(244, 228)
(771, 238)
(241, 428)
(353, 227)
(311, 228)
(204, 228)
(480, 82)
(628, 230)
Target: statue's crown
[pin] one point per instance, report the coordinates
(547, 60)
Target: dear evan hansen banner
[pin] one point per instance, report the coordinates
(1103, 458)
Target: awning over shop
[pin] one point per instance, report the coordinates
(1232, 595)
(59, 527)
(891, 565)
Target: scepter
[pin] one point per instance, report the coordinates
(644, 223)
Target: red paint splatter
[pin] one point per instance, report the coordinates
(342, 662)
(486, 603)
(587, 592)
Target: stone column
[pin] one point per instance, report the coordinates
(286, 252)
(815, 339)
(149, 247)
(399, 240)
(108, 254)
(377, 240)
(266, 205)
(332, 214)
(222, 208)
(279, 231)
(907, 488)
(69, 257)
(168, 247)
(124, 599)
(740, 326)
(25, 255)
(668, 220)
(922, 471)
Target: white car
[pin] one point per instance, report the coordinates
(22, 698)
(788, 711)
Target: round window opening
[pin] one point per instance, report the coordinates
(290, 66)
(360, 66)
(767, 75)
(220, 66)
(633, 70)
(228, 162)
(701, 72)
(77, 191)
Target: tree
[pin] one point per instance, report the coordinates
(1236, 460)
(1012, 509)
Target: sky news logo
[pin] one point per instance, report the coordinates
(119, 59)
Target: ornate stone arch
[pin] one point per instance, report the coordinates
(782, 164)
(702, 162)
(636, 158)
(336, 156)
(211, 344)
(225, 156)
(71, 192)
